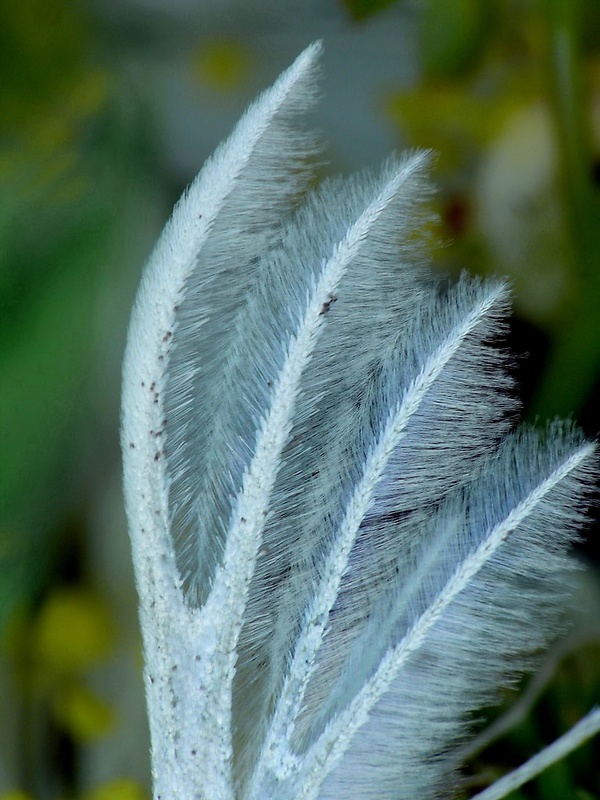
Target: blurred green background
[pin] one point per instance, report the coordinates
(107, 110)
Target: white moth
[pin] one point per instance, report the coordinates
(341, 549)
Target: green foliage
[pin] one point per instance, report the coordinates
(361, 9)
(453, 35)
(508, 98)
(42, 46)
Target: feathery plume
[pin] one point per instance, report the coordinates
(340, 547)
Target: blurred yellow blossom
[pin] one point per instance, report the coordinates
(72, 632)
(84, 715)
(119, 789)
(222, 64)
(16, 794)
(453, 119)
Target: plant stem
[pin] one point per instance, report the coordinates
(584, 730)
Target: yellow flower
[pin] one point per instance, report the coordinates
(72, 632)
(221, 64)
(82, 713)
(15, 794)
(119, 789)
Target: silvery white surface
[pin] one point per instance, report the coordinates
(341, 548)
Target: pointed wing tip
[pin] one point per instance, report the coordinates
(300, 78)
(313, 51)
(307, 60)
(423, 157)
(412, 161)
(590, 452)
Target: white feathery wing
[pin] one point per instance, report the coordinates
(340, 549)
